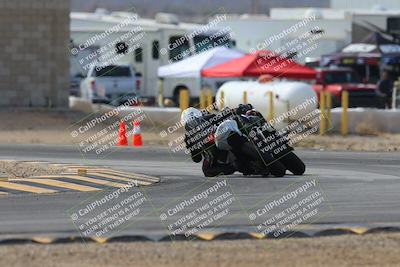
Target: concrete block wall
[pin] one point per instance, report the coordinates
(34, 55)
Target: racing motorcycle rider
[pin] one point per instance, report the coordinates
(200, 128)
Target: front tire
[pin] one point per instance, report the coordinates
(293, 163)
(274, 166)
(277, 169)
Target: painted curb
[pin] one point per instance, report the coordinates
(75, 177)
(202, 236)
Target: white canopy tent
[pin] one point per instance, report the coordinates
(191, 67)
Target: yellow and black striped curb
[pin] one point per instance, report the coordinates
(75, 178)
(203, 236)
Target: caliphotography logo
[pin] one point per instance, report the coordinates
(199, 133)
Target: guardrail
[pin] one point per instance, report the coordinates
(344, 120)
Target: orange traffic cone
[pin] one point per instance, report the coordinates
(136, 136)
(122, 139)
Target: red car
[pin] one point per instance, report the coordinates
(337, 80)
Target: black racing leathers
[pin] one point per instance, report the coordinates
(199, 143)
(244, 146)
(263, 135)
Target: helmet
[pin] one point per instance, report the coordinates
(242, 109)
(189, 114)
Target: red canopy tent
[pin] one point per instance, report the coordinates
(260, 63)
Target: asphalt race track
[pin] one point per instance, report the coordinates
(360, 188)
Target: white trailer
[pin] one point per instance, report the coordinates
(155, 43)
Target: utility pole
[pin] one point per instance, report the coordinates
(255, 6)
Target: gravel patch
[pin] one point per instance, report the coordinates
(16, 169)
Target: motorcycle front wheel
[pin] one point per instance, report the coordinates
(275, 167)
(293, 163)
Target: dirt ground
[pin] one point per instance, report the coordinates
(14, 169)
(55, 127)
(346, 250)
(380, 142)
(51, 127)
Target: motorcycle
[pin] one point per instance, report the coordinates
(234, 144)
(247, 158)
(268, 140)
(265, 151)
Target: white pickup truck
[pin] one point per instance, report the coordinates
(111, 84)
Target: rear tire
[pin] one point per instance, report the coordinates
(266, 160)
(277, 169)
(293, 163)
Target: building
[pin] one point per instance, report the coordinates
(255, 32)
(335, 28)
(34, 61)
(365, 4)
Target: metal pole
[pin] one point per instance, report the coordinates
(345, 105)
(328, 109)
(270, 106)
(322, 116)
(245, 97)
(209, 99)
(222, 104)
(160, 97)
(394, 93)
(183, 99)
(203, 99)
